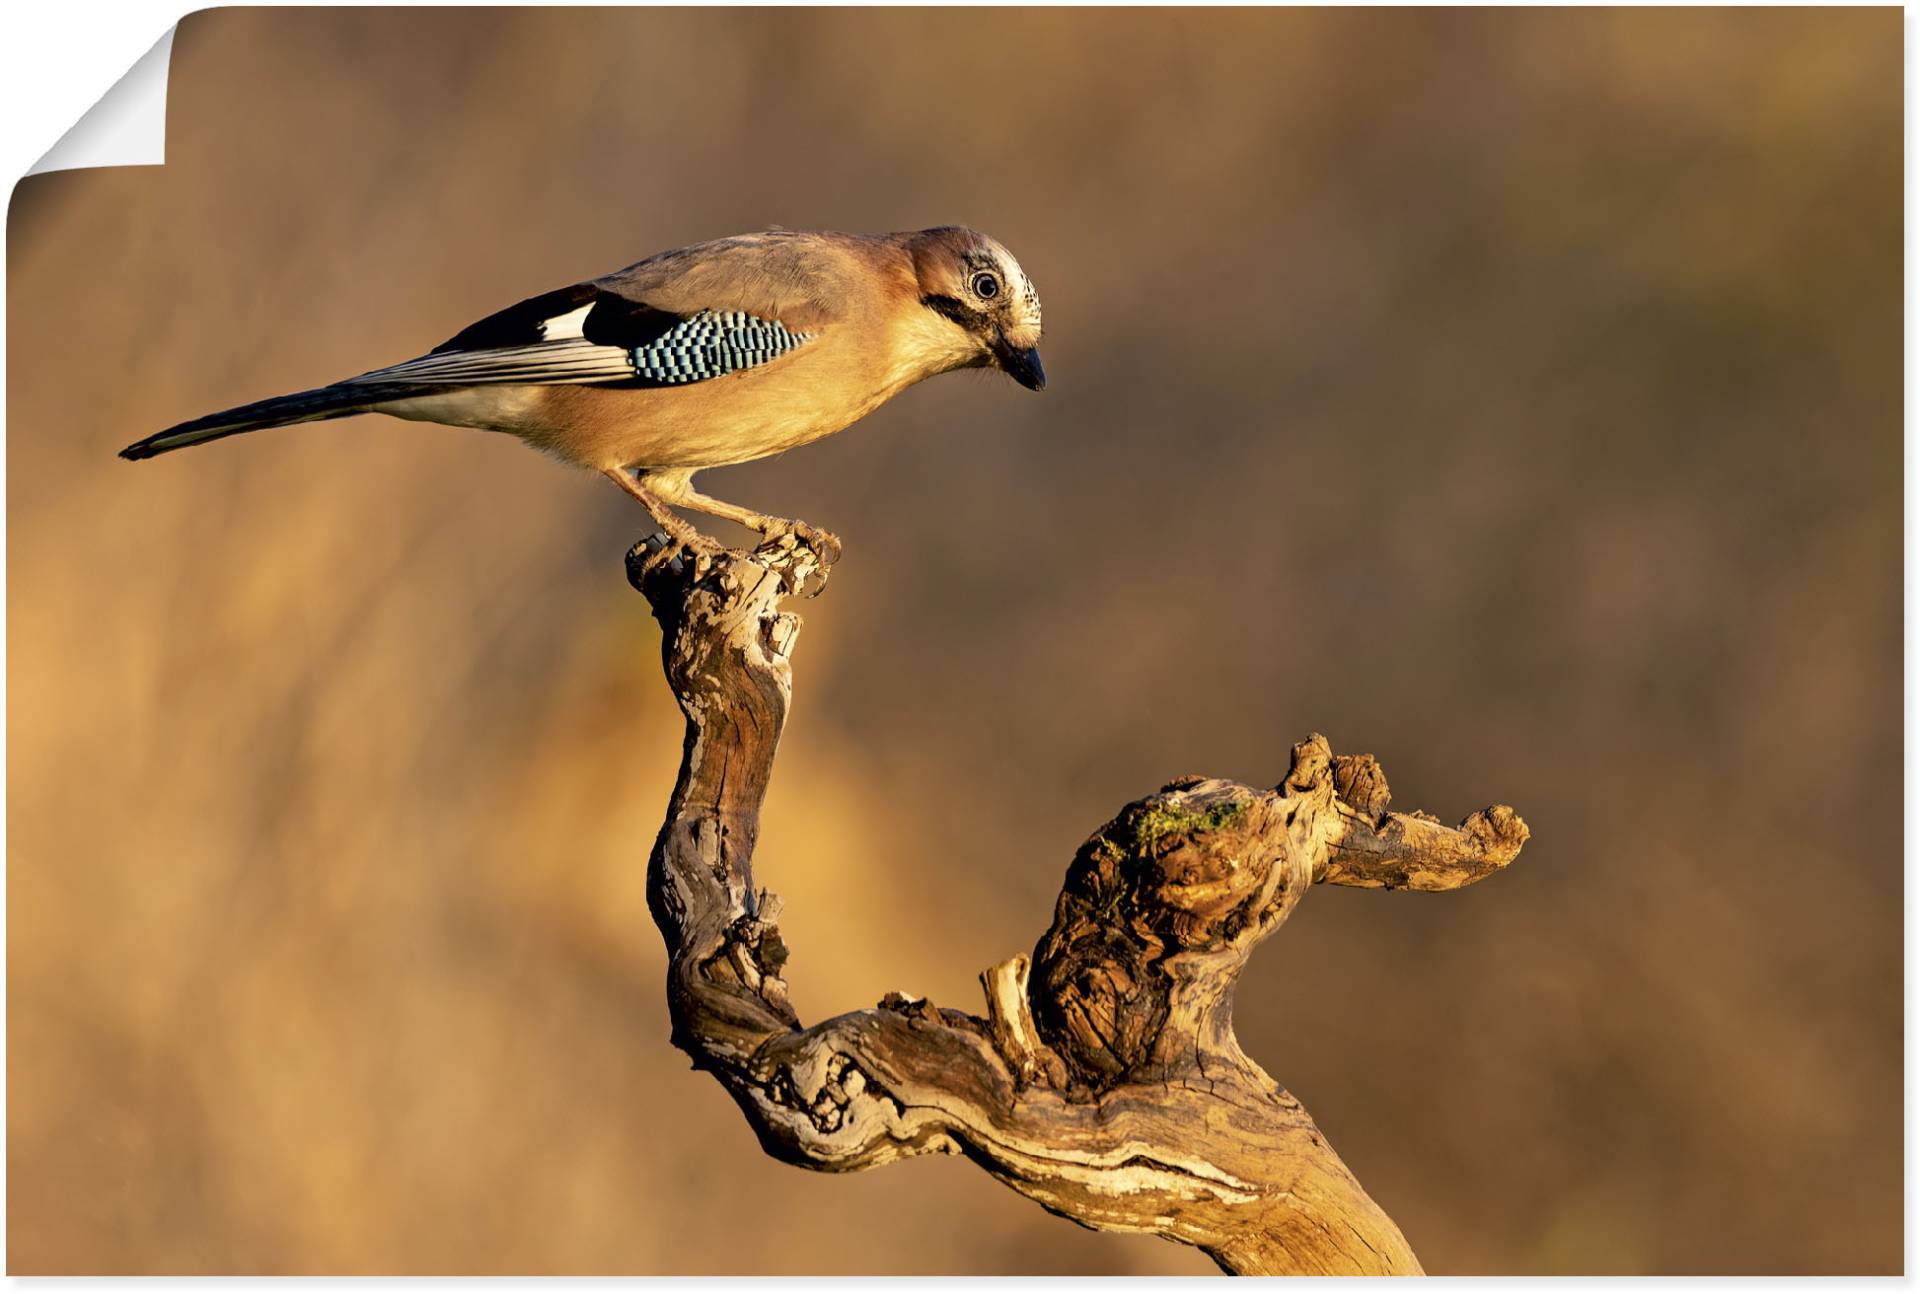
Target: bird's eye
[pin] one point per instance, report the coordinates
(986, 285)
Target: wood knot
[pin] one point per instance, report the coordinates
(1312, 763)
(1362, 783)
(1173, 892)
(914, 1008)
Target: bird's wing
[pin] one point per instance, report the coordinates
(798, 279)
(684, 316)
(701, 346)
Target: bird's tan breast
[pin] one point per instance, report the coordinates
(818, 389)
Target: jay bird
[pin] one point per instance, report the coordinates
(704, 356)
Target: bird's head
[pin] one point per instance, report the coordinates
(975, 285)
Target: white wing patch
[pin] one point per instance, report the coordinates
(571, 324)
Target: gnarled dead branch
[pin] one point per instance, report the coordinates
(1104, 1081)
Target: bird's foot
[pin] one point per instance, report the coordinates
(785, 535)
(798, 553)
(694, 550)
(663, 559)
(678, 539)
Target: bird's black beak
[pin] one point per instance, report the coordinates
(1023, 366)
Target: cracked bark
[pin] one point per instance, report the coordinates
(1104, 1081)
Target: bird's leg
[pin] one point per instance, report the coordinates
(823, 542)
(681, 537)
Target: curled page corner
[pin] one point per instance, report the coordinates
(127, 127)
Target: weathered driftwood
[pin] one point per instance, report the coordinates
(1104, 1081)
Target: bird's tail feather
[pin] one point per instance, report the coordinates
(337, 401)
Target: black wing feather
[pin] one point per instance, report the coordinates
(614, 321)
(522, 324)
(629, 324)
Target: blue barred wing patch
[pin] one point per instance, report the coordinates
(712, 344)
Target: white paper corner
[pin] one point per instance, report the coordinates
(127, 127)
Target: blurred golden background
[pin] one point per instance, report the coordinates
(1513, 394)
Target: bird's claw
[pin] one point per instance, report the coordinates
(695, 552)
(799, 553)
(824, 544)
